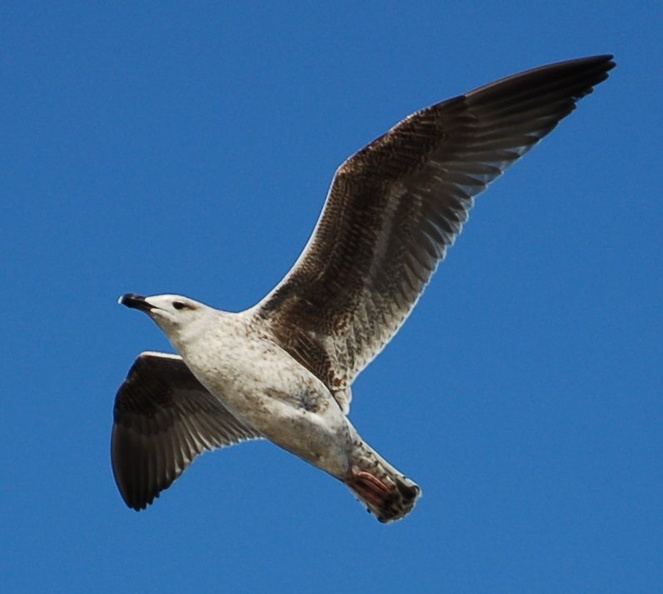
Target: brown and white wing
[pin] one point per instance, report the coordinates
(163, 419)
(395, 207)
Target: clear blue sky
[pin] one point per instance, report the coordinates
(187, 147)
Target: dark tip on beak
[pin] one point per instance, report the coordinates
(135, 302)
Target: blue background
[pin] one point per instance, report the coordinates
(161, 147)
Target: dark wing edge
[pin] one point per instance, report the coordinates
(163, 419)
(396, 206)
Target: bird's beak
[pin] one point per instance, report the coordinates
(135, 302)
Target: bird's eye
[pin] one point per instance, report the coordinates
(179, 305)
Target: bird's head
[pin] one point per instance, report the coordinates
(180, 318)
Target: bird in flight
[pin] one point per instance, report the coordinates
(283, 369)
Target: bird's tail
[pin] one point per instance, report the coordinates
(386, 492)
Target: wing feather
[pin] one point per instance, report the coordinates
(163, 419)
(397, 205)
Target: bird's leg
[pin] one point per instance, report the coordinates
(369, 487)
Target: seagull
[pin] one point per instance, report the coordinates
(283, 369)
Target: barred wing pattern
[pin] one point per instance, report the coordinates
(163, 418)
(397, 205)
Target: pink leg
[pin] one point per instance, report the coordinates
(369, 487)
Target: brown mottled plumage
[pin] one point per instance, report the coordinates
(392, 211)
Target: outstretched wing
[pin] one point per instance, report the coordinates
(163, 418)
(395, 207)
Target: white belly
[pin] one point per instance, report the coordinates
(266, 388)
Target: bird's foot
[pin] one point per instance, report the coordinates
(369, 487)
